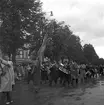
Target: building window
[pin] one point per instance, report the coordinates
(26, 54)
(21, 54)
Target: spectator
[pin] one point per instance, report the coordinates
(6, 79)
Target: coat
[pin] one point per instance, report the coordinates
(7, 79)
(12, 73)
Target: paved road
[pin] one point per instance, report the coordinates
(22, 95)
(89, 94)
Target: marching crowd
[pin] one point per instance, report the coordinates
(62, 72)
(69, 71)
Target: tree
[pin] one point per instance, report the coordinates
(38, 36)
(90, 53)
(58, 32)
(74, 49)
(20, 21)
(63, 43)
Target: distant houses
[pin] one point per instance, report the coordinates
(23, 54)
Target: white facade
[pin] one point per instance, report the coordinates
(23, 54)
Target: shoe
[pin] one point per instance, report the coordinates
(11, 101)
(7, 103)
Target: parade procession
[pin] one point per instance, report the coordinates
(51, 52)
(67, 72)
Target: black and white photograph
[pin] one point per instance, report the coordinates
(51, 52)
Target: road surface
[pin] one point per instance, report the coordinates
(91, 93)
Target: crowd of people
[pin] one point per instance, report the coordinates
(69, 72)
(9, 74)
(62, 72)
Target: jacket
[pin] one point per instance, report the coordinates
(7, 79)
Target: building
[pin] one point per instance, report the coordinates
(23, 54)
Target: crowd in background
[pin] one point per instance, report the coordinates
(60, 72)
(64, 71)
(69, 71)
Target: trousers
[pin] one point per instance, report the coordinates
(5, 96)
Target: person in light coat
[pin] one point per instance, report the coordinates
(6, 80)
(12, 74)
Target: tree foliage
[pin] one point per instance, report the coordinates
(20, 21)
(90, 53)
(64, 43)
(24, 22)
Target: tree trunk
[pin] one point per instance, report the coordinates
(40, 55)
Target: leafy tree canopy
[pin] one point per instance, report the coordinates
(20, 21)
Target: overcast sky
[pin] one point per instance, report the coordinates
(86, 18)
